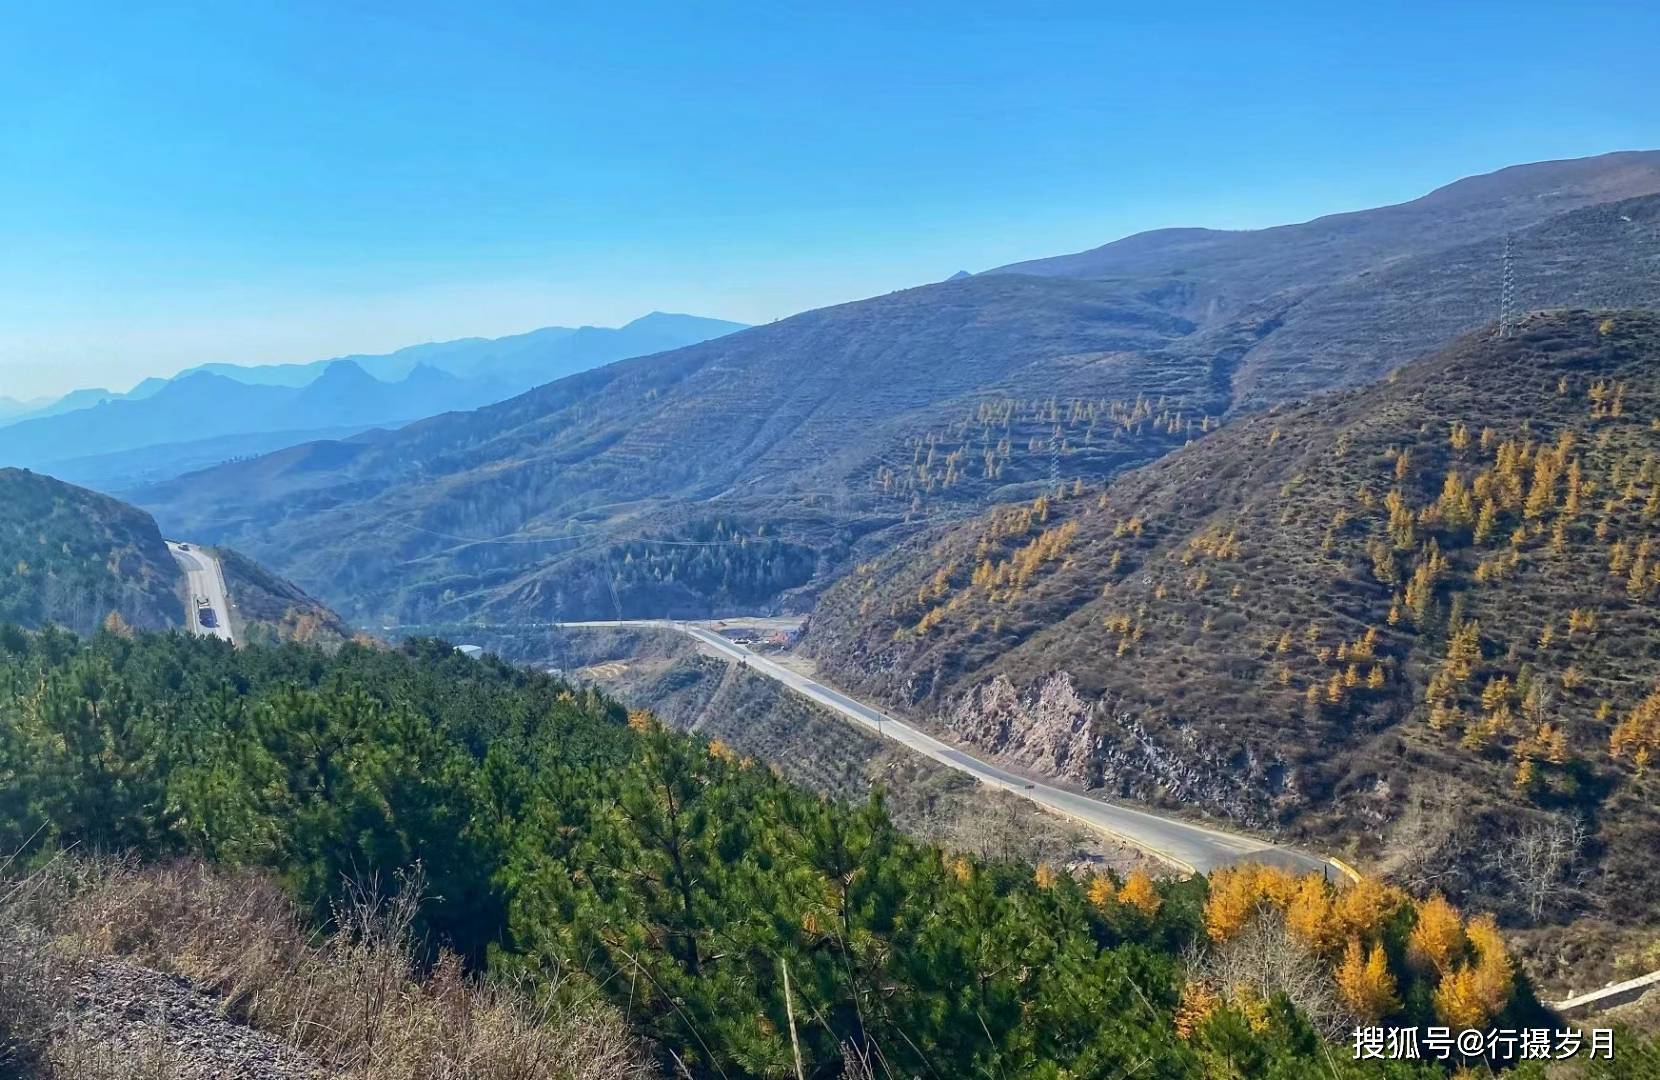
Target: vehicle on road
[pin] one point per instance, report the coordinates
(205, 613)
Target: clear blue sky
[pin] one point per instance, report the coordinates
(286, 181)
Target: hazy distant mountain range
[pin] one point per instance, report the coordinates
(218, 412)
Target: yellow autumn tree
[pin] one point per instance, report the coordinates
(1233, 899)
(1138, 892)
(1458, 1000)
(1365, 983)
(1309, 915)
(1639, 730)
(1197, 1003)
(1437, 937)
(1362, 908)
(1101, 892)
(1494, 974)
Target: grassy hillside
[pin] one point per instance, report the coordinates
(750, 471)
(1420, 616)
(72, 557)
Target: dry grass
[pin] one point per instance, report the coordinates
(83, 1055)
(355, 1002)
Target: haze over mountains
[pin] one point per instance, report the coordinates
(220, 411)
(837, 432)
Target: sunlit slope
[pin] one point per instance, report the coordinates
(1445, 583)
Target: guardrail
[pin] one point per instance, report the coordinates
(1620, 993)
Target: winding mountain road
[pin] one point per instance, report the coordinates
(206, 578)
(1188, 846)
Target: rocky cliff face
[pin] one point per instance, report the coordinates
(1053, 729)
(1049, 728)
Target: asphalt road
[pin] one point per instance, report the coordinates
(206, 579)
(1187, 845)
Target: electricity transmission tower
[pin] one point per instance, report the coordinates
(1507, 291)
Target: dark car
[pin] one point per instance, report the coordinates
(206, 617)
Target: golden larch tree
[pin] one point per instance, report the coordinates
(1365, 983)
(1438, 935)
(1139, 893)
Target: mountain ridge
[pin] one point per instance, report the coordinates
(537, 507)
(1381, 232)
(218, 401)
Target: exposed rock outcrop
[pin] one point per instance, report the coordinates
(1053, 729)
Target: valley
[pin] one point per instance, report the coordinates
(980, 675)
(209, 606)
(1054, 513)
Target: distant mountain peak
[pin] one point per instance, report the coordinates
(344, 371)
(664, 320)
(959, 275)
(427, 373)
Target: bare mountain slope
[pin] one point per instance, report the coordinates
(1229, 268)
(727, 437)
(1356, 329)
(1430, 600)
(751, 470)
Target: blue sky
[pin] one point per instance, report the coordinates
(256, 182)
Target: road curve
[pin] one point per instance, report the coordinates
(205, 577)
(1184, 844)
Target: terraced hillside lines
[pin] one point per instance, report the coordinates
(1322, 613)
(1000, 443)
(74, 557)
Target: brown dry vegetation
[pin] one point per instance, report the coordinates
(355, 1003)
(269, 609)
(1303, 621)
